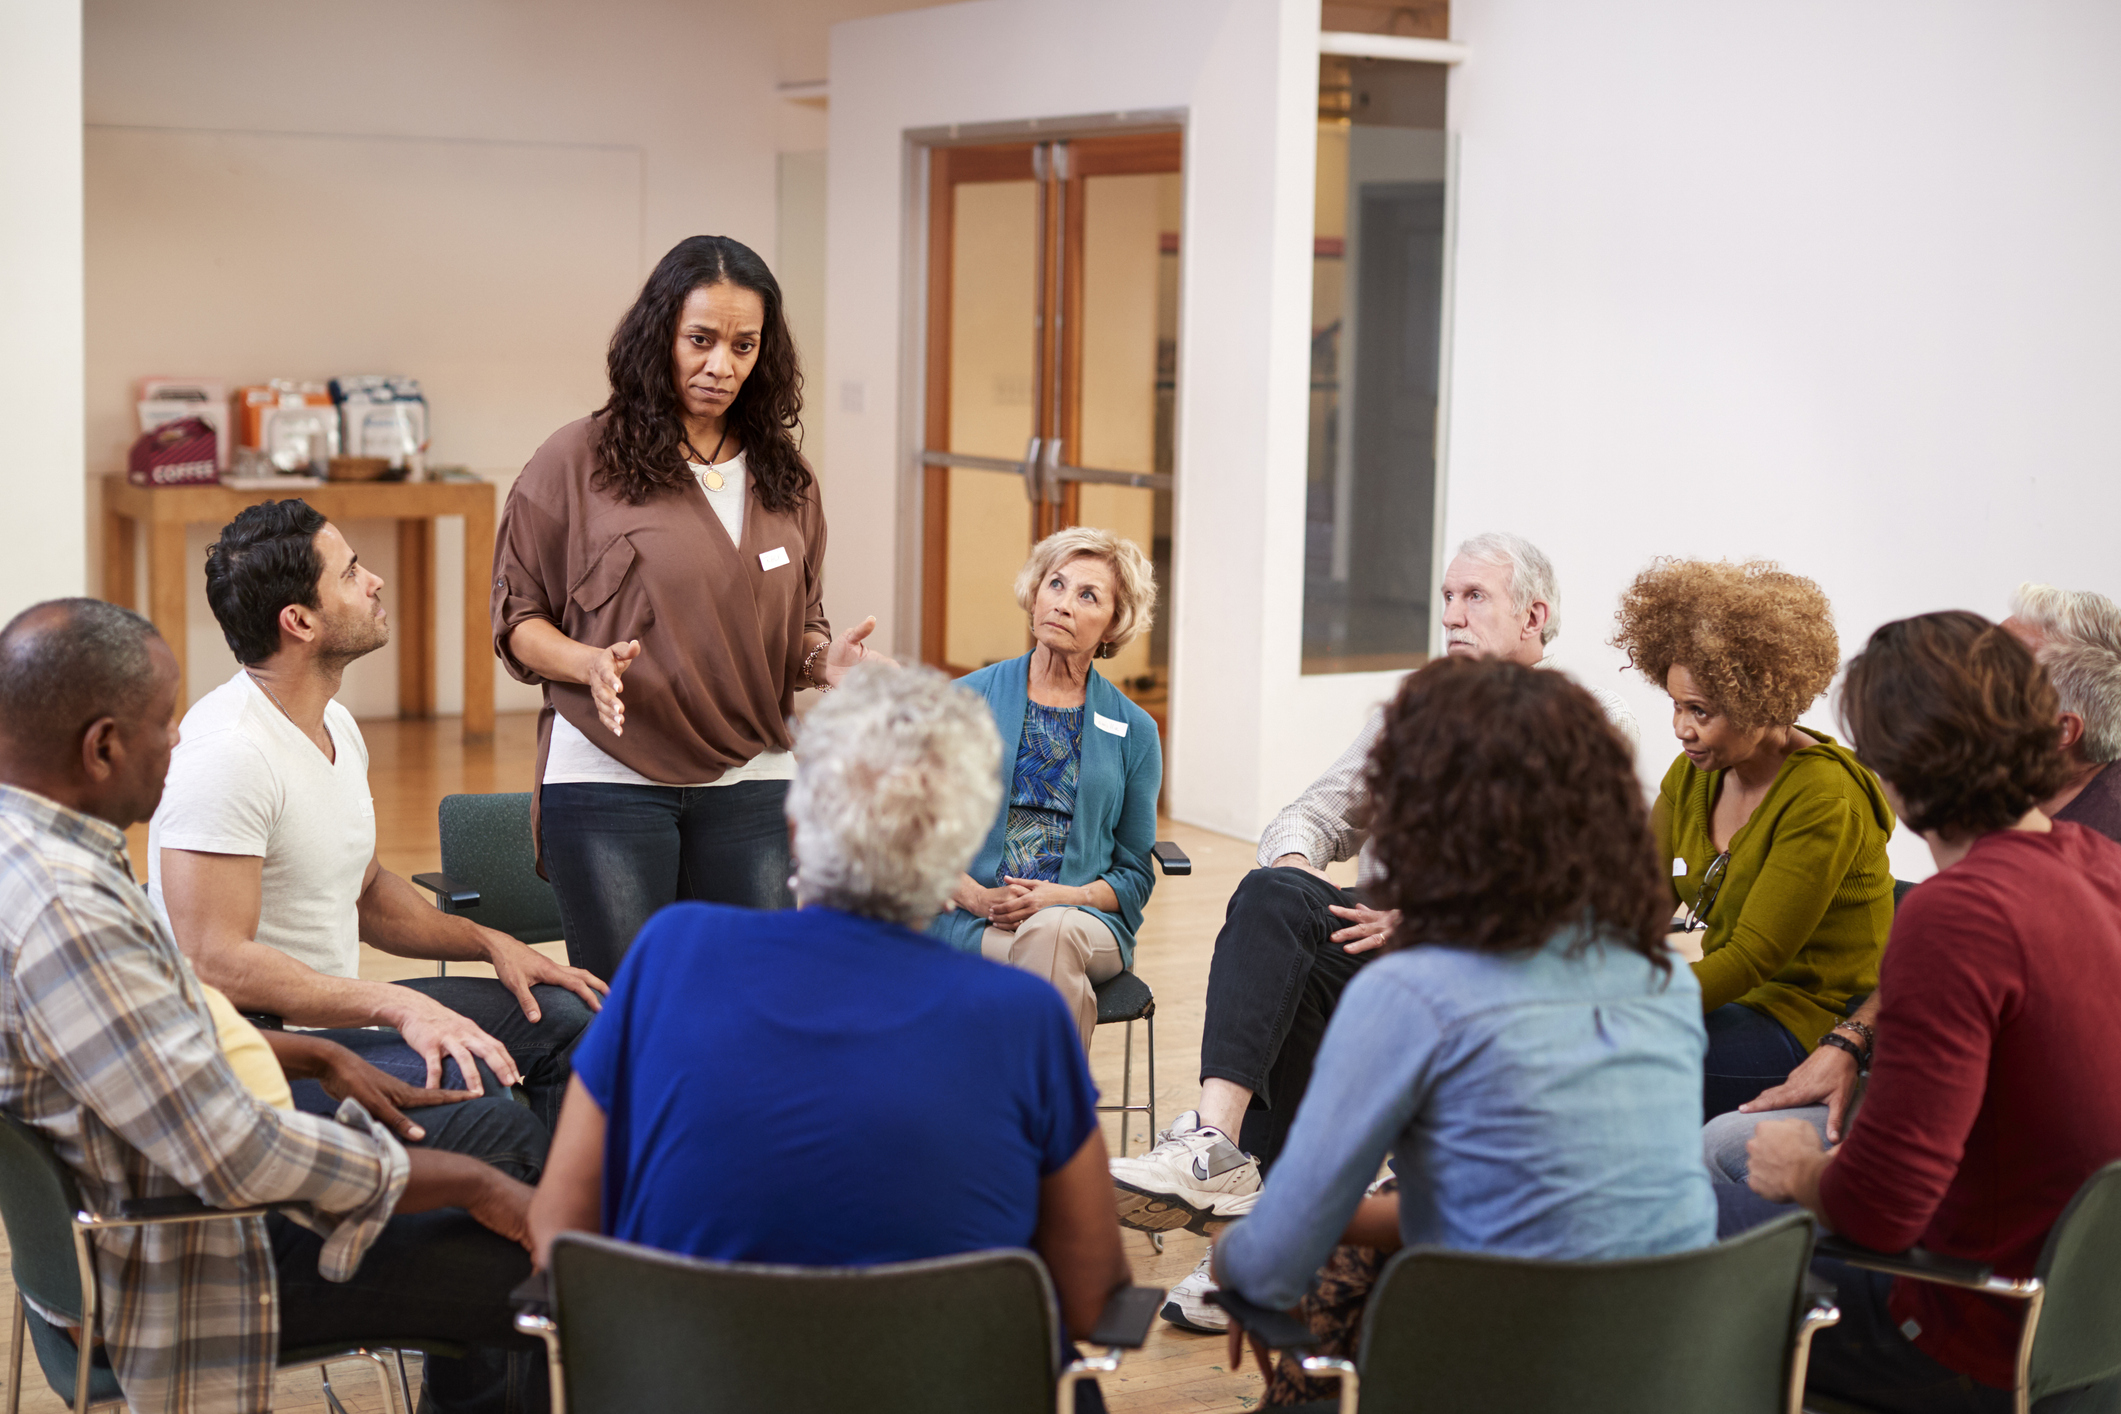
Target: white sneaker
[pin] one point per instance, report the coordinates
(1194, 1178)
(1188, 1308)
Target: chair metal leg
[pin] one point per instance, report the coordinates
(404, 1384)
(1126, 1090)
(1152, 1077)
(331, 1396)
(84, 1367)
(14, 1356)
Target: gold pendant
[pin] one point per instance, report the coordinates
(713, 479)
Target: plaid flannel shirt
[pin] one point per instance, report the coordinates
(106, 1046)
(1331, 819)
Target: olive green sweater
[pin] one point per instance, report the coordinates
(1807, 898)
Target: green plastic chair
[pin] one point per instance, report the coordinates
(48, 1229)
(1726, 1328)
(629, 1328)
(2072, 1335)
(489, 864)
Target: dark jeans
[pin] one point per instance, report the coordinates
(616, 854)
(1749, 1051)
(1865, 1359)
(438, 1275)
(541, 1049)
(1272, 986)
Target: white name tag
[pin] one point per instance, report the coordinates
(773, 559)
(1107, 724)
(1679, 868)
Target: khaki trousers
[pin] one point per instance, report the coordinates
(1069, 947)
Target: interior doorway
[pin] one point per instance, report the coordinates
(1052, 351)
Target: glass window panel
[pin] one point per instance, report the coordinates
(993, 317)
(1376, 325)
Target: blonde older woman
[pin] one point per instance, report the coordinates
(1058, 887)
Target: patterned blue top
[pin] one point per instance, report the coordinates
(1042, 792)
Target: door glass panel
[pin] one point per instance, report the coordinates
(1129, 343)
(993, 325)
(1376, 327)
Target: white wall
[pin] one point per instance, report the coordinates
(1245, 71)
(1833, 284)
(469, 193)
(40, 300)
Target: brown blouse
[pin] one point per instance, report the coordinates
(721, 633)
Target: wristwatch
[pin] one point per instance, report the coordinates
(1841, 1042)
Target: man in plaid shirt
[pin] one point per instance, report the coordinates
(107, 1048)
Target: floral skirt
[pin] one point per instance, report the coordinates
(1333, 1309)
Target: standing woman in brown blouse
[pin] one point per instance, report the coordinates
(659, 572)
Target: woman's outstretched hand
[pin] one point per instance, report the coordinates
(848, 650)
(604, 674)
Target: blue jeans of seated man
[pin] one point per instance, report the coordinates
(540, 1049)
(493, 1128)
(437, 1274)
(618, 853)
(1723, 1139)
(1749, 1051)
(1866, 1359)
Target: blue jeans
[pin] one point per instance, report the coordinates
(541, 1049)
(617, 853)
(1749, 1051)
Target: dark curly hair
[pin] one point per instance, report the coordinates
(640, 440)
(263, 560)
(1959, 718)
(1758, 639)
(1506, 808)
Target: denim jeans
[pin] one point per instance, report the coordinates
(540, 1049)
(1272, 985)
(617, 853)
(437, 1274)
(1723, 1139)
(1749, 1051)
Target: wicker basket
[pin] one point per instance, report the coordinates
(359, 468)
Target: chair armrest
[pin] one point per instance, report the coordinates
(1278, 1329)
(444, 887)
(169, 1208)
(1921, 1265)
(1170, 858)
(1127, 1316)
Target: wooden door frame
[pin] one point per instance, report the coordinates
(1099, 146)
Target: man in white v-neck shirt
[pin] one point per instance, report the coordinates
(262, 854)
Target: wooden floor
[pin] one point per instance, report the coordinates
(412, 765)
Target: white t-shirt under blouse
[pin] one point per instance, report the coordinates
(245, 780)
(573, 759)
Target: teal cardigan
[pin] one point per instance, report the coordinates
(1115, 802)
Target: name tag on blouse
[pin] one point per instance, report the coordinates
(773, 559)
(1105, 723)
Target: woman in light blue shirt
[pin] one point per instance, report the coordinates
(1526, 1053)
(1058, 886)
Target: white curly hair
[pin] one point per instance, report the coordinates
(898, 776)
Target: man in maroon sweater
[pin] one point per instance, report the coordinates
(1998, 1091)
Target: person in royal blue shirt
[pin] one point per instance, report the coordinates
(803, 1086)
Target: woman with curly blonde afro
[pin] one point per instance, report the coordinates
(1775, 833)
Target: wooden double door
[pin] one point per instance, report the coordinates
(1052, 349)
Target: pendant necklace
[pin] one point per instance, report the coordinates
(711, 478)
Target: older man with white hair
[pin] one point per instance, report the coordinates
(1292, 940)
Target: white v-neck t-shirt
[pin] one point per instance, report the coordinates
(245, 780)
(573, 759)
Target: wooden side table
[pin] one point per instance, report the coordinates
(165, 511)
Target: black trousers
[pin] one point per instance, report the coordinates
(1275, 979)
(439, 1275)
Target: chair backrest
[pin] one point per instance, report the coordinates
(38, 1200)
(643, 1329)
(1901, 889)
(1707, 1329)
(2079, 1337)
(486, 844)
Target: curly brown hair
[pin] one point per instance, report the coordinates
(1959, 718)
(1758, 639)
(640, 440)
(1505, 808)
